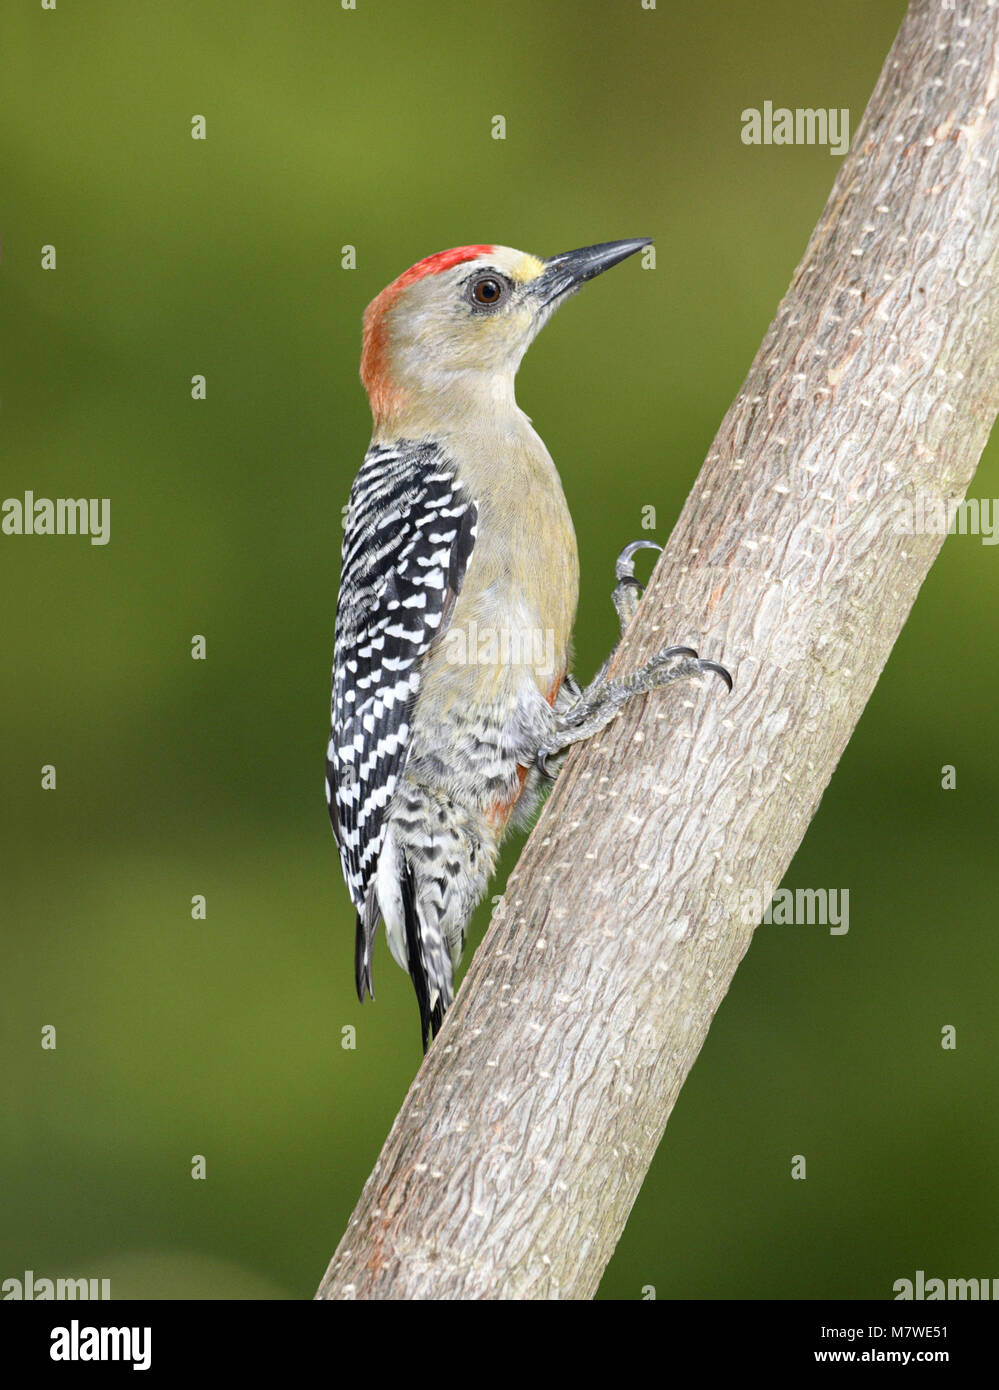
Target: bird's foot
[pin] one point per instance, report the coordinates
(603, 701)
(628, 590)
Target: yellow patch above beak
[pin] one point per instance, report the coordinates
(528, 268)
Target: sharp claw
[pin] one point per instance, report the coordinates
(670, 652)
(542, 763)
(719, 670)
(624, 570)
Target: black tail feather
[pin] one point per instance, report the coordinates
(362, 975)
(436, 1019)
(430, 1019)
(364, 938)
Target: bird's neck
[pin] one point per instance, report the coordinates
(451, 403)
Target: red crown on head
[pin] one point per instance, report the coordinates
(374, 371)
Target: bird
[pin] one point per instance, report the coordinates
(452, 700)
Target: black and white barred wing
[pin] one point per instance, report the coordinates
(409, 534)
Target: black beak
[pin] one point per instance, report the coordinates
(564, 274)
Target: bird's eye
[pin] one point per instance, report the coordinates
(488, 291)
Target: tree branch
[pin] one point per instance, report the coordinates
(524, 1139)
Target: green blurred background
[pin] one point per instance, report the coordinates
(223, 1038)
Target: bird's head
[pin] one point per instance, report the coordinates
(461, 321)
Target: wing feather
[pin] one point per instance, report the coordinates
(408, 538)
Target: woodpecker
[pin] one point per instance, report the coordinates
(452, 699)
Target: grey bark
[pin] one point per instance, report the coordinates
(526, 1135)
